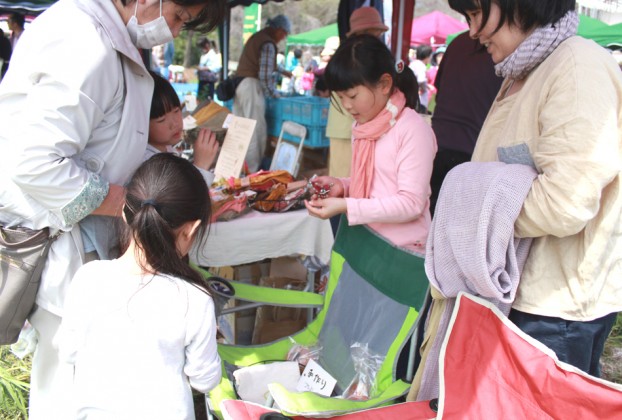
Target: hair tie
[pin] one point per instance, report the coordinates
(399, 66)
(147, 202)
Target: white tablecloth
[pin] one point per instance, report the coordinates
(256, 236)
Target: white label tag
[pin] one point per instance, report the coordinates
(316, 379)
(233, 151)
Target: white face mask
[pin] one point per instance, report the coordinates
(150, 34)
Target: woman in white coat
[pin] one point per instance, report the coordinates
(74, 112)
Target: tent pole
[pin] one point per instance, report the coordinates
(400, 33)
(223, 37)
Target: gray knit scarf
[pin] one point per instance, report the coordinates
(537, 47)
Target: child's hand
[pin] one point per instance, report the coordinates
(205, 149)
(335, 186)
(325, 208)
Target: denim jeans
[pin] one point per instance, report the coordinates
(578, 343)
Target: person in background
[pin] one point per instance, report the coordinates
(16, 22)
(208, 69)
(257, 66)
(306, 82)
(367, 20)
(140, 331)
(420, 66)
(558, 110)
(167, 59)
(435, 62)
(296, 79)
(393, 147)
(73, 131)
(466, 86)
(330, 46)
(292, 60)
(5, 53)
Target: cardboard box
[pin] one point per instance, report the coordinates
(274, 322)
(247, 273)
(288, 267)
(237, 327)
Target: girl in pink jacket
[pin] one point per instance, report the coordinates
(392, 146)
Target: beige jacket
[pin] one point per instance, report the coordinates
(566, 120)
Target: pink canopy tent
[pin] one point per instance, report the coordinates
(433, 28)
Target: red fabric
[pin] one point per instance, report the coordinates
(492, 371)
(435, 24)
(406, 19)
(243, 410)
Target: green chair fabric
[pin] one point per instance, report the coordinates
(374, 294)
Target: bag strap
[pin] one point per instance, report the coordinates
(31, 237)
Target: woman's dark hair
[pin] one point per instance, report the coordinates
(212, 14)
(203, 42)
(362, 60)
(164, 97)
(18, 19)
(164, 193)
(423, 52)
(526, 14)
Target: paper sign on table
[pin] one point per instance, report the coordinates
(316, 379)
(231, 158)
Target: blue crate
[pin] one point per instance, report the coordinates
(316, 137)
(274, 108)
(310, 111)
(274, 126)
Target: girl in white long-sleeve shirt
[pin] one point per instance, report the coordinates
(140, 330)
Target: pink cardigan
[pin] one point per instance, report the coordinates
(399, 205)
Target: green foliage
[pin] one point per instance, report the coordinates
(611, 360)
(615, 338)
(193, 50)
(14, 385)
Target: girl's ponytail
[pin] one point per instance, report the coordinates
(164, 193)
(406, 81)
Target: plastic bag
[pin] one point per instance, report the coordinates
(302, 354)
(366, 365)
(27, 341)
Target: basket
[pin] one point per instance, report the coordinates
(306, 110)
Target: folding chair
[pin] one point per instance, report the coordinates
(288, 153)
(489, 368)
(373, 296)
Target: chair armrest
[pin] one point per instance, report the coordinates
(311, 404)
(271, 295)
(276, 297)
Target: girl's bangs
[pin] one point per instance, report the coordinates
(340, 76)
(464, 6)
